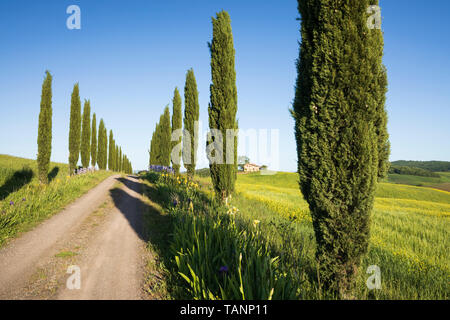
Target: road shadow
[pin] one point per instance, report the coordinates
(19, 179)
(52, 174)
(149, 220)
(131, 207)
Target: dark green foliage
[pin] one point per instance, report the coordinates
(435, 166)
(85, 147)
(191, 115)
(44, 139)
(94, 141)
(340, 129)
(111, 151)
(75, 128)
(177, 123)
(102, 146)
(413, 171)
(223, 105)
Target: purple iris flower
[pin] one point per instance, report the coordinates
(11, 203)
(223, 269)
(23, 199)
(175, 203)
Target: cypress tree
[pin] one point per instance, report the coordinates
(111, 151)
(120, 160)
(117, 159)
(44, 139)
(191, 115)
(166, 134)
(340, 129)
(105, 148)
(177, 123)
(85, 147)
(150, 151)
(75, 128)
(223, 102)
(102, 146)
(94, 141)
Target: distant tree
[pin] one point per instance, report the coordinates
(75, 128)
(111, 151)
(191, 116)
(94, 141)
(86, 135)
(177, 124)
(340, 130)
(223, 103)
(44, 139)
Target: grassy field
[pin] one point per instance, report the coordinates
(24, 202)
(409, 239)
(442, 183)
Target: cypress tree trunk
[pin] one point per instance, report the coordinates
(111, 151)
(94, 141)
(75, 128)
(340, 129)
(86, 135)
(177, 123)
(44, 139)
(223, 105)
(191, 116)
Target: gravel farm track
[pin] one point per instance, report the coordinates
(101, 233)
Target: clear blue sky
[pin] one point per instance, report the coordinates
(129, 56)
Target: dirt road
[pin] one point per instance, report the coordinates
(106, 245)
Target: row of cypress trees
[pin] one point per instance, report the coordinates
(164, 151)
(83, 140)
(222, 114)
(83, 137)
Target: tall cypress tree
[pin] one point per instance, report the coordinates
(85, 147)
(101, 153)
(191, 116)
(44, 139)
(177, 123)
(340, 129)
(111, 151)
(116, 159)
(75, 128)
(151, 154)
(120, 159)
(105, 148)
(166, 134)
(94, 141)
(223, 105)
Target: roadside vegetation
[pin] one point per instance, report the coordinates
(265, 222)
(24, 202)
